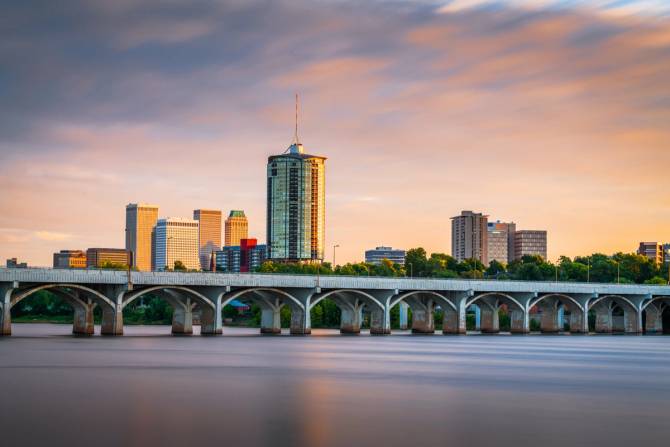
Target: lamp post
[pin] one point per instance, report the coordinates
(618, 271)
(334, 247)
(588, 269)
(411, 269)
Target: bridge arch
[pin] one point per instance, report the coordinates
(501, 294)
(82, 306)
(442, 298)
(365, 295)
(629, 321)
(557, 295)
(199, 298)
(660, 298)
(238, 294)
(15, 299)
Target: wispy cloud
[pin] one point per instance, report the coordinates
(552, 113)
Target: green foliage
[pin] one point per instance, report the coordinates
(109, 265)
(179, 266)
(624, 268)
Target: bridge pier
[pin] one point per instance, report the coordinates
(451, 322)
(578, 322)
(350, 321)
(300, 322)
(603, 319)
(112, 321)
(402, 315)
(378, 324)
(182, 318)
(654, 323)
(490, 321)
(5, 320)
(270, 320)
(549, 317)
(83, 319)
(423, 319)
(519, 323)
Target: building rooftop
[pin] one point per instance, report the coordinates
(236, 213)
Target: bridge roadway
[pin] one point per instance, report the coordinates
(617, 307)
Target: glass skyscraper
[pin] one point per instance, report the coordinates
(296, 206)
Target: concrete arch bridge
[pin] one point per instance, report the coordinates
(617, 307)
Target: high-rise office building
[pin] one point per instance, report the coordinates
(209, 234)
(378, 254)
(296, 206)
(652, 250)
(70, 259)
(530, 242)
(140, 222)
(501, 241)
(469, 237)
(176, 239)
(666, 253)
(246, 257)
(237, 228)
(97, 257)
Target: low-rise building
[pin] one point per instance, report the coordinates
(70, 259)
(246, 257)
(652, 250)
(98, 257)
(13, 263)
(378, 254)
(530, 242)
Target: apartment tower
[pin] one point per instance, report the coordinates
(469, 237)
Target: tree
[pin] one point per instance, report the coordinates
(495, 268)
(416, 261)
(179, 266)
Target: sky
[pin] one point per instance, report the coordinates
(552, 114)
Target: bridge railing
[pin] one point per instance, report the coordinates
(316, 276)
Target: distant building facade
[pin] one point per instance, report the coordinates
(469, 237)
(501, 241)
(141, 219)
(246, 257)
(530, 242)
(209, 236)
(666, 253)
(296, 206)
(97, 257)
(70, 259)
(378, 254)
(176, 239)
(13, 263)
(652, 250)
(237, 228)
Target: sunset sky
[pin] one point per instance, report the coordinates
(552, 114)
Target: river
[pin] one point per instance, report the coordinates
(149, 388)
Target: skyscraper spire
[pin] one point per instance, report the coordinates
(296, 139)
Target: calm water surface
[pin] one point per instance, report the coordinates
(149, 388)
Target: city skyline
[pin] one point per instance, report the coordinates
(554, 119)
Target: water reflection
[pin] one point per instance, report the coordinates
(242, 389)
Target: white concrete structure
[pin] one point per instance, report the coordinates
(617, 308)
(176, 239)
